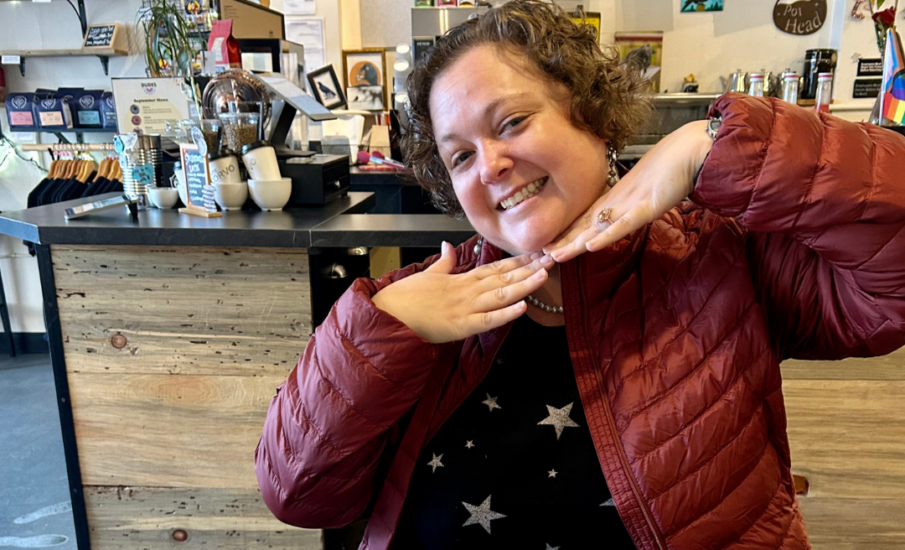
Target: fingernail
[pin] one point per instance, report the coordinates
(546, 260)
(536, 255)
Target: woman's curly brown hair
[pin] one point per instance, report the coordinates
(607, 98)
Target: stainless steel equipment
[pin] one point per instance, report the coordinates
(428, 24)
(737, 82)
(671, 112)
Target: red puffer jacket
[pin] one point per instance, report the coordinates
(795, 247)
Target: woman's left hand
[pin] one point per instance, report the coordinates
(662, 179)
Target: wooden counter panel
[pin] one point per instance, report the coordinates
(854, 524)
(127, 518)
(228, 312)
(169, 431)
(888, 367)
(846, 422)
(848, 436)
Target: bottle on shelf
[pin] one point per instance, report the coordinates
(756, 84)
(824, 92)
(790, 87)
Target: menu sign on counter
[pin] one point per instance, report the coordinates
(144, 105)
(197, 176)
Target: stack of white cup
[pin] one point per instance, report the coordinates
(268, 189)
(230, 191)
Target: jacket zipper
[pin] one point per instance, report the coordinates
(631, 478)
(611, 424)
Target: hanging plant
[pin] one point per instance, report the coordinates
(167, 43)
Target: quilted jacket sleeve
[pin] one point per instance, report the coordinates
(823, 200)
(327, 428)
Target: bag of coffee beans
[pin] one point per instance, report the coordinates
(87, 109)
(108, 110)
(20, 111)
(53, 112)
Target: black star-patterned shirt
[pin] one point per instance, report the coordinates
(514, 466)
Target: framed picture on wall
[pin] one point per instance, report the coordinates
(365, 98)
(325, 87)
(366, 68)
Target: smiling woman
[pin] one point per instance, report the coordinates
(604, 97)
(655, 328)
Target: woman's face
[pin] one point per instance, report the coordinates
(522, 172)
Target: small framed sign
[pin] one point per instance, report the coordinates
(866, 88)
(870, 67)
(106, 36)
(197, 177)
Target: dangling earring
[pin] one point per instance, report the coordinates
(611, 154)
(478, 245)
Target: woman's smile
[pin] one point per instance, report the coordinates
(522, 195)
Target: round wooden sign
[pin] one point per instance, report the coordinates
(799, 16)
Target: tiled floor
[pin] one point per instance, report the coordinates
(34, 492)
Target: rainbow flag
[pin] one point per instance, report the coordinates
(893, 91)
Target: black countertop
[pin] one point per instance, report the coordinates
(340, 223)
(288, 228)
(406, 230)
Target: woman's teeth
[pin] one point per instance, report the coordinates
(526, 192)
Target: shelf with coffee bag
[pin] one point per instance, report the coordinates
(66, 110)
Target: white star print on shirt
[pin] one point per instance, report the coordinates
(552, 473)
(551, 547)
(435, 462)
(481, 515)
(559, 419)
(491, 403)
(469, 444)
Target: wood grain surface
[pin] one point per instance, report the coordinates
(154, 430)
(888, 367)
(854, 524)
(172, 358)
(211, 311)
(846, 423)
(126, 518)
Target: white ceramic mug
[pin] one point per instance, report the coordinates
(261, 161)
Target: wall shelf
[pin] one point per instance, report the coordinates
(104, 54)
(79, 138)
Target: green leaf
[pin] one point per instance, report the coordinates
(880, 3)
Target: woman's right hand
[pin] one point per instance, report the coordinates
(441, 307)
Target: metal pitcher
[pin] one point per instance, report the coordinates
(737, 82)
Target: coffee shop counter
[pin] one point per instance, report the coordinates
(168, 337)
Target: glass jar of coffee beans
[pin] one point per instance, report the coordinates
(239, 129)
